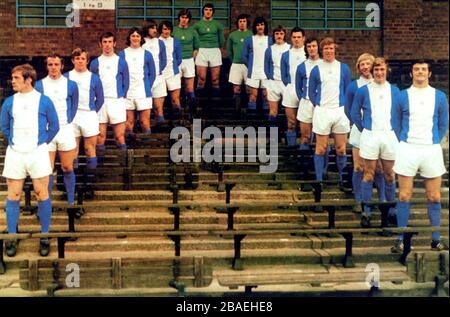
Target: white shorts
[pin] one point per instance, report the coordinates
(85, 124)
(355, 136)
(159, 88)
(376, 145)
(208, 57)
(290, 99)
(427, 159)
(173, 82)
(139, 104)
(330, 120)
(275, 90)
(35, 163)
(187, 68)
(113, 111)
(238, 74)
(257, 83)
(305, 111)
(64, 140)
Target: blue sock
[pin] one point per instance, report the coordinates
(327, 159)
(304, 147)
(51, 179)
(12, 214)
(341, 162)
(69, 183)
(160, 118)
(272, 118)
(434, 214)
(265, 105)
(251, 105)
(291, 138)
(381, 185)
(122, 147)
(318, 166)
(367, 191)
(191, 95)
(75, 163)
(216, 92)
(100, 147)
(45, 214)
(356, 180)
(91, 162)
(390, 196)
(403, 210)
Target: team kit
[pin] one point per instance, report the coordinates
(393, 133)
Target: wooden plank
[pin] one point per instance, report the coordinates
(420, 267)
(198, 271)
(33, 275)
(116, 273)
(279, 279)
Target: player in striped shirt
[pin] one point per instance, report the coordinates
(372, 113)
(421, 122)
(327, 85)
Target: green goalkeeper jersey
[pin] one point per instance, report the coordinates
(235, 44)
(188, 38)
(210, 33)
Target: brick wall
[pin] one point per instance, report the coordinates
(416, 29)
(413, 28)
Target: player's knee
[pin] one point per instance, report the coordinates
(320, 149)
(67, 167)
(215, 80)
(341, 149)
(389, 177)
(434, 197)
(358, 167)
(369, 175)
(14, 195)
(41, 194)
(405, 196)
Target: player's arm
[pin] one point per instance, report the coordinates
(347, 77)
(52, 119)
(349, 95)
(220, 31)
(150, 67)
(125, 75)
(246, 51)
(162, 56)
(357, 105)
(6, 119)
(178, 51)
(300, 80)
(99, 96)
(442, 115)
(74, 99)
(230, 48)
(268, 63)
(401, 99)
(285, 76)
(196, 43)
(314, 85)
